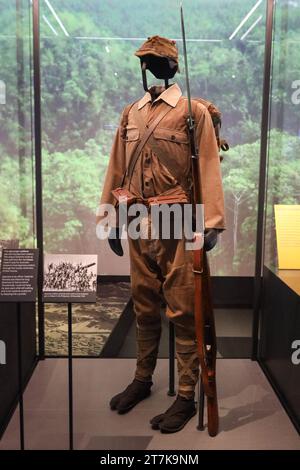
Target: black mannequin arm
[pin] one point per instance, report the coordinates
(114, 240)
(210, 238)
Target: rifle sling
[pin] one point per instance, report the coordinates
(204, 316)
(172, 166)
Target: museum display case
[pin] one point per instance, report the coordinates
(17, 182)
(88, 74)
(246, 63)
(280, 324)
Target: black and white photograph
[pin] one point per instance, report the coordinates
(70, 278)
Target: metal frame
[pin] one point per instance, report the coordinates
(70, 377)
(262, 177)
(20, 377)
(38, 170)
(20, 101)
(259, 258)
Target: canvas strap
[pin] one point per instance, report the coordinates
(146, 131)
(171, 165)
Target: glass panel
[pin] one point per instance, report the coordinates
(89, 74)
(17, 203)
(16, 147)
(283, 186)
(280, 320)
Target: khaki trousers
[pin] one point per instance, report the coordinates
(162, 270)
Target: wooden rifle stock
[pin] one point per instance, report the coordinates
(203, 307)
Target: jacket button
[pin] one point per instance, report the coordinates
(173, 137)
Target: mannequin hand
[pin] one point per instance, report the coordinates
(210, 238)
(114, 240)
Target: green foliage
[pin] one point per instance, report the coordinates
(240, 177)
(86, 84)
(71, 182)
(14, 224)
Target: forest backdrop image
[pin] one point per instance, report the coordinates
(89, 73)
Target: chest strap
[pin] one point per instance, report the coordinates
(146, 133)
(172, 166)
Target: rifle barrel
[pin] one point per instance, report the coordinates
(88, 265)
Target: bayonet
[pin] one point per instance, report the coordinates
(188, 90)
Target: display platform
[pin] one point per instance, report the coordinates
(280, 327)
(233, 328)
(251, 416)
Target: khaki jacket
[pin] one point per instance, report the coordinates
(150, 176)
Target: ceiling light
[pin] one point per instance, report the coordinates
(57, 17)
(245, 19)
(50, 25)
(106, 38)
(251, 27)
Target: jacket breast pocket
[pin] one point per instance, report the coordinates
(171, 135)
(175, 145)
(132, 134)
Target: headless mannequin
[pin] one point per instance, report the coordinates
(161, 68)
(144, 76)
(157, 267)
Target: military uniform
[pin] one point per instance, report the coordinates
(163, 268)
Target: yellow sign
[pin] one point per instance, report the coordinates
(287, 221)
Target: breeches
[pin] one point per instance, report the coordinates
(162, 270)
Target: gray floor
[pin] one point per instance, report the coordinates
(251, 416)
(234, 331)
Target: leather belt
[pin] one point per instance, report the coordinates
(122, 195)
(156, 200)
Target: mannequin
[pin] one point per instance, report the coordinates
(162, 269)
(162, 68)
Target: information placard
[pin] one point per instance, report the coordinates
(4, 244)
(287, 220)
(70, 278)
(18, 275)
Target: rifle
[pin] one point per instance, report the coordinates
(203, 308)
(87, 266)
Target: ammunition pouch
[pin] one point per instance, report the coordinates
(122, 195)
